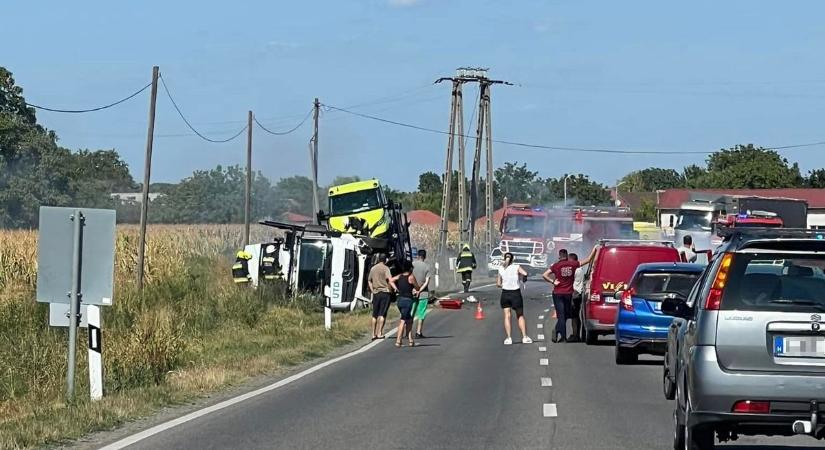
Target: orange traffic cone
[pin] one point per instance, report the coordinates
(479, 312)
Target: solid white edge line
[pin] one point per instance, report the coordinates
(549, 410)
(137, 437)
(546, 382)
(544, 362)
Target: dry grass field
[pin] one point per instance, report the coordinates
(191, 332)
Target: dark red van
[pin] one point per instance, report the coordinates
(610, 271)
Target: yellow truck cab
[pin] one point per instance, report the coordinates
(358, 207)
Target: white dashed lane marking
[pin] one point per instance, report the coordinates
(542, 349)
(546, 310)
(540, 326)
(546, 382)
(544, 362)
(550, 410)
(540, 337)
(541, 317)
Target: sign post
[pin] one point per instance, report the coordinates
(76, 274)
(74, 294)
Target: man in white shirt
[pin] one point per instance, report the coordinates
(687, 252)
(578, 288)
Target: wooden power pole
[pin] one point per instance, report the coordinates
(147, 171)
(247, 210)
(314, 161)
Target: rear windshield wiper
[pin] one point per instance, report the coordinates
(816, 305)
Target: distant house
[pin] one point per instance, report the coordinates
(133, 197)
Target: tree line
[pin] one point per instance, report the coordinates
(35, 171)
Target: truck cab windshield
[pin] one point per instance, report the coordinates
(694, 220)
(354, 202)
(523, 226)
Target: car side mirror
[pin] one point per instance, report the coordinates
(676, 307)
(618, 295)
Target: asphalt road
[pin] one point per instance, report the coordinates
(461, 388)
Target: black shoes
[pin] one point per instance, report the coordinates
(558, 338)
(419, 336)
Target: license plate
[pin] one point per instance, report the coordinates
(799, 346)
(610, 299)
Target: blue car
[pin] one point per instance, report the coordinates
(640, 325)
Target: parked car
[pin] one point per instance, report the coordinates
(641, 326)
(752, 356)
(611, 269)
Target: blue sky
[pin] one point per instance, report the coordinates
(646, 75)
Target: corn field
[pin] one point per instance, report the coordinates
(167, 247)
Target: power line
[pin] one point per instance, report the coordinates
(282, 133)
(180, 113)
(550, 147)
(99, 108)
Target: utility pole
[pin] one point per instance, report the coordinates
(314, 162)
(247, 210)
(485, 95)
(448, 174)
(147, 170)
(484, 136)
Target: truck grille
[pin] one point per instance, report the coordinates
(522, 247)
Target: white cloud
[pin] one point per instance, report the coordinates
(403, 3)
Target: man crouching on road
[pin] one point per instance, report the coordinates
(379, 281)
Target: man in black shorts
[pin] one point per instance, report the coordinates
(379, 281)
(576, 306)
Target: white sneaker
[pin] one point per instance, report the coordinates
(508, 341)
(526, 340)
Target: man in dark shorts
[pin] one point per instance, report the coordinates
(563, 273)
(379, 281)
(576, 307)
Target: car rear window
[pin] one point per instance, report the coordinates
(791, 282)
(650, 283)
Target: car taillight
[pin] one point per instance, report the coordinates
(752, 407)
(627, 300)
(714, 300)
(595, 298)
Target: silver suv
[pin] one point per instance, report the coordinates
(752, 356)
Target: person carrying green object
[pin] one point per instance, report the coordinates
(421, 272)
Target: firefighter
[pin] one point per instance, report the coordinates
(269, 263)
(240, 270)
(465, 265)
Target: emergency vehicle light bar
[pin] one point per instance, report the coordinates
(636, 241)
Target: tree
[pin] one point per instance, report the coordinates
(748, 167)
(429, 183)
(294, 194)
(215, 196)
(580, 191)
(646, 212)
(652, 179)
(816, 179)
(517, 183)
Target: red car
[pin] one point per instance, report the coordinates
(610, 271)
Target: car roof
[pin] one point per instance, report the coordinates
(739, 238)
(670, 267)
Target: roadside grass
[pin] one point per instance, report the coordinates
(191, 333)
